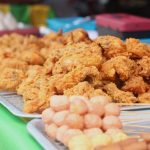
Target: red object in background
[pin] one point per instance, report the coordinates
(123, 22)
(33, 31)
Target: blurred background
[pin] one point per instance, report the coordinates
(43, 16)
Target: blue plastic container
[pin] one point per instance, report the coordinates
(68, 24)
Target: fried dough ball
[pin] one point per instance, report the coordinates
(118, 66)
(51, 130)
(59, 117)
(110, 122)
(92, 121)
(78, 106)
(70, 133)
(112, 109)
(111, 45)
(47, 115)
(10, 79)
(74, 121)
(92, 132)
(59, 103)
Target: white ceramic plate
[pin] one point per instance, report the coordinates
(136, 107)
(14, 103)
(36, 129)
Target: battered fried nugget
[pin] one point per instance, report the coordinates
(10, 79)
(143, 67)
(119, 96)
(144, 98)
(32, 58)
(84, 89)
(71, 61)
(118, 66)
(75, 36)
(36, 94)
(76, 48)
(137, 49)
(13, 63)
(79, 74)
(136, 85)
(111, 45)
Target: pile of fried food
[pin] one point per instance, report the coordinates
(72, 64)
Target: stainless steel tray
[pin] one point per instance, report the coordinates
(14, 103)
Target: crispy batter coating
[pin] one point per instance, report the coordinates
(135, 84)
(10, 79)
(111, 45)
(74, 49)
(118, 66)
(70, 61)
(79, 74)
(137, 49)
(143, 67)
(84, 89)
(13, 63)
(75, 36)
(119, 96)
(144, 98)
(32, 58)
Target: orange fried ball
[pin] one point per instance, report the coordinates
(74, 121)
(92, 121)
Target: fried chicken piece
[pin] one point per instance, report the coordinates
(75, 36)
(13, 63)
(79, 74)
(111, 45)
(143, 67)
(136, 85)
(119, 96)
(84, 89)
(118, 66)
(144, 98)
(136, 48)
(78, 48)
(71, 61)
(32, 58)
(36, 89)
(10, 79)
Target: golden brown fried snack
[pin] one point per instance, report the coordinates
(143, 67)
(79, 74)
(70, 61)
(119, 96)
(13, 63)
(76, 48)
(137, 49)
(10, 79)
(112, 46)
(75, 36)
(118, 66)
(136, 85)
(84, 89)
(32, 57)
(144, 98)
